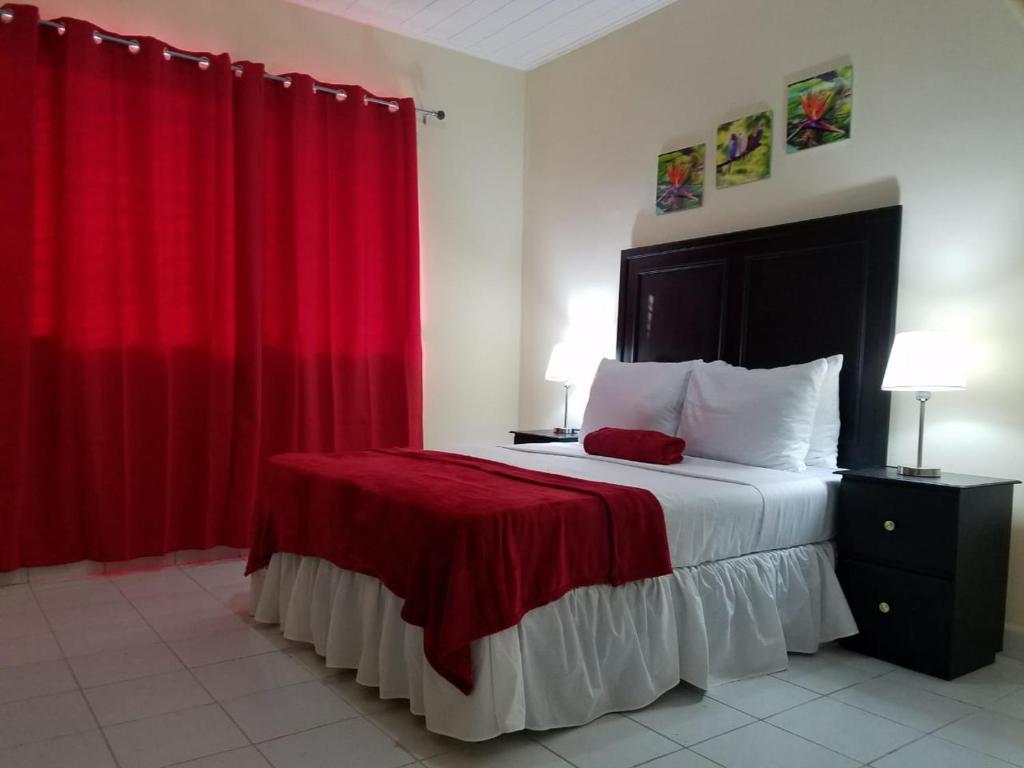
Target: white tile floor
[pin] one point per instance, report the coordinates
(161, 668)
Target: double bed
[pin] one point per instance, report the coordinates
(752, 559)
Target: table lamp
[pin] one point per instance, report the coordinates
(561, 369)
(924, 362)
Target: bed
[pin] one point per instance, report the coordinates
(752, 561)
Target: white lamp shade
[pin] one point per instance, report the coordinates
(561, 364)
(926, 361)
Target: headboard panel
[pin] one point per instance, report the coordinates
(777, 296)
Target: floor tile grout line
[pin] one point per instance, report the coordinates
(649, 728)
(921, 734)
(723, 733)
(811, 741)
(974, 710)
(258, 745)
(970, 749)
(80, 689)
(658, 757)
(625, 715)
(1019, 687)
(757, 719)
(886, 674)
(220, 704)
(215, 754)
(35, 696)
(533, 736)
(817, 697)
(901, 746)
(841, 688)
(130, 603)
(379, 727)
(356, 716)
(199, 682)
(321, 725)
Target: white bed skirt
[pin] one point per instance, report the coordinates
(596, 650)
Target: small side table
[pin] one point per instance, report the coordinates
(923, 562)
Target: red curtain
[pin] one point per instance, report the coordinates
(198, 269)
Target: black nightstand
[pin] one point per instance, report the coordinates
(923, 564)
(542, 436)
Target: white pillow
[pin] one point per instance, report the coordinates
(824, 448)
(760, 417)
(637, 396)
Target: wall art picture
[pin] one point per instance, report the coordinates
(819, 109)
(744, 150)
(681, 180)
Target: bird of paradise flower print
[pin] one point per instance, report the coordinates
(680, 180)
(819, 110)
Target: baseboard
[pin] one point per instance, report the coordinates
(84, 568)
(1013, 641)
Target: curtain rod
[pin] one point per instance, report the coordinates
(7, 16)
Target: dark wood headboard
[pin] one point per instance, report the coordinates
(777, 296)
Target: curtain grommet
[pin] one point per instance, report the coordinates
(61, 27)
(134, 47)
(203, 63)
(237, 70)
(167, 54)
(392, 107)
(286, 83)
(97, 38)
(340, 95)
(6, 16)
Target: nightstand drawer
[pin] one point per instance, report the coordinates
(906, 527)
(903, 617)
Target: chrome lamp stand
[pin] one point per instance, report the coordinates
(919, 470)
(565, 429)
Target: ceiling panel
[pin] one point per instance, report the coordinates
(520, 33)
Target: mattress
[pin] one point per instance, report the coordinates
(714, 510)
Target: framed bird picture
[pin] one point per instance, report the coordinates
(680, 180)
(744, 150)
(819, 109)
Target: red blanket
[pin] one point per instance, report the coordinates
(471, 545)
(635, 445)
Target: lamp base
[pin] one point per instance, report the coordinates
(566, 431)
(920, 471)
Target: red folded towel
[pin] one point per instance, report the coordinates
(635, 445)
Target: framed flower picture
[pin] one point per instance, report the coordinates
(819, 109)
(680, 180)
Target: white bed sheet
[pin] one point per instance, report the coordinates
(713, 509)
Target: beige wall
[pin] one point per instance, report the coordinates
(938, 116)
(471, 168)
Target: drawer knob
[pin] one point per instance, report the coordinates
(889, 525)
(884, 607)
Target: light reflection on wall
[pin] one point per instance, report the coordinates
(592, 315)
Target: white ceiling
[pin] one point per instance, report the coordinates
(520, 33)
